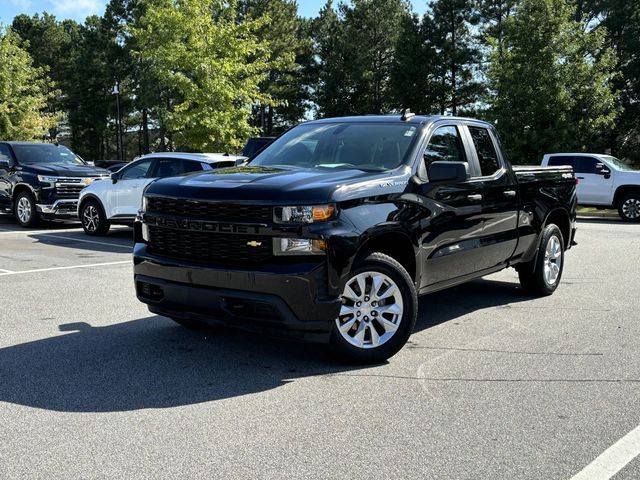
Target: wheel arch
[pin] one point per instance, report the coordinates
(397, 244)
(86, 198)
(560, 217)
(623, 190)
(21, 187)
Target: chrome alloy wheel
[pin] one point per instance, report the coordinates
(90, 218)
(552, 260)
(631, 208)
(371, 310)
(23, 210)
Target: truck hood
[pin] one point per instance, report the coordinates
(65, 170)
(281, 185)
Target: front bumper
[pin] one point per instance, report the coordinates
(284, 299)
(59, 209)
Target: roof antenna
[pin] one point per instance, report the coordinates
(406, 115)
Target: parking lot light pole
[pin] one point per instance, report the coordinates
(119, 145)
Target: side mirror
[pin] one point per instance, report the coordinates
(4, 163)
(114, 177)
(603, 170)
(448, 172)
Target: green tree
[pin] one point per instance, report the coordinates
(213, 64)
(552, 82)
(284, 31)
(371, 31)
(52, 45)
(24, 93)
(414, 82)
(458, 54)
(329, 66)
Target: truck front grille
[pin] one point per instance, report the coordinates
(209, 247)
(212, 211)
(68, 191)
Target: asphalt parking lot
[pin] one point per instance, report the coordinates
(493, 384)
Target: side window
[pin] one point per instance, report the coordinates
(5, 153)
(558, 160)
(137, 170)
(486, 151)
(586, 165)
(191, 166)
(445, 145)
(168, 167)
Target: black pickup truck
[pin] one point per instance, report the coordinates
(42, 180)
(335, 229)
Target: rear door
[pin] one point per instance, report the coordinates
(126, 194)
(499, 197)
(450, 247)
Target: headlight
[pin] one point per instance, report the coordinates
(48, 180)
(298, 246)
(304, 214)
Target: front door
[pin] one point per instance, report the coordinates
(451, 241)
(593, 187)
(126, 194)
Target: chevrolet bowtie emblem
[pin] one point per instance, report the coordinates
(254, 243)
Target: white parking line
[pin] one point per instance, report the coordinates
(613, 459)
(66, 268)
(4, 231)
(2, 270)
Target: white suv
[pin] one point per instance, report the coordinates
(603, 181)
(118, 200)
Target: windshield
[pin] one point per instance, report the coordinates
(619, 164)
(365, 146)
(45, 153)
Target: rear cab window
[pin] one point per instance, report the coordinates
(485, 151)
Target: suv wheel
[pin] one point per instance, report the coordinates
(542, 276)
(629, 207)
(94, 221)
(24, 209)
(378, 313)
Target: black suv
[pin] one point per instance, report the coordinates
(42, 180)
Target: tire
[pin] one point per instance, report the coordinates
(629, 207)
(542, 276)
(94, 221)
(24, 209)
(384, 316)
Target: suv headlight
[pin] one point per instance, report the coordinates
(304, 214)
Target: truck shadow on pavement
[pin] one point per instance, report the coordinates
(154, 363)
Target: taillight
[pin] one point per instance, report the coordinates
(577, 180)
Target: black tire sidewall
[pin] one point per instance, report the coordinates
(386, 265)
(621, 212)
(34, 212)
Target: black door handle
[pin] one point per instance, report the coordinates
(580, 178)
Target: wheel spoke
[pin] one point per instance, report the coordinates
(393, 309)
(388, 325)
(347, 310)
(350, 293)
(373, 334)
(377, 282)
(346, 326)
(389, 292)
(361, 280)
(359, 336)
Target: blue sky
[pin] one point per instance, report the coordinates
(80, 9)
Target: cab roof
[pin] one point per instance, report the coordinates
(201, 157)
(414, 119)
